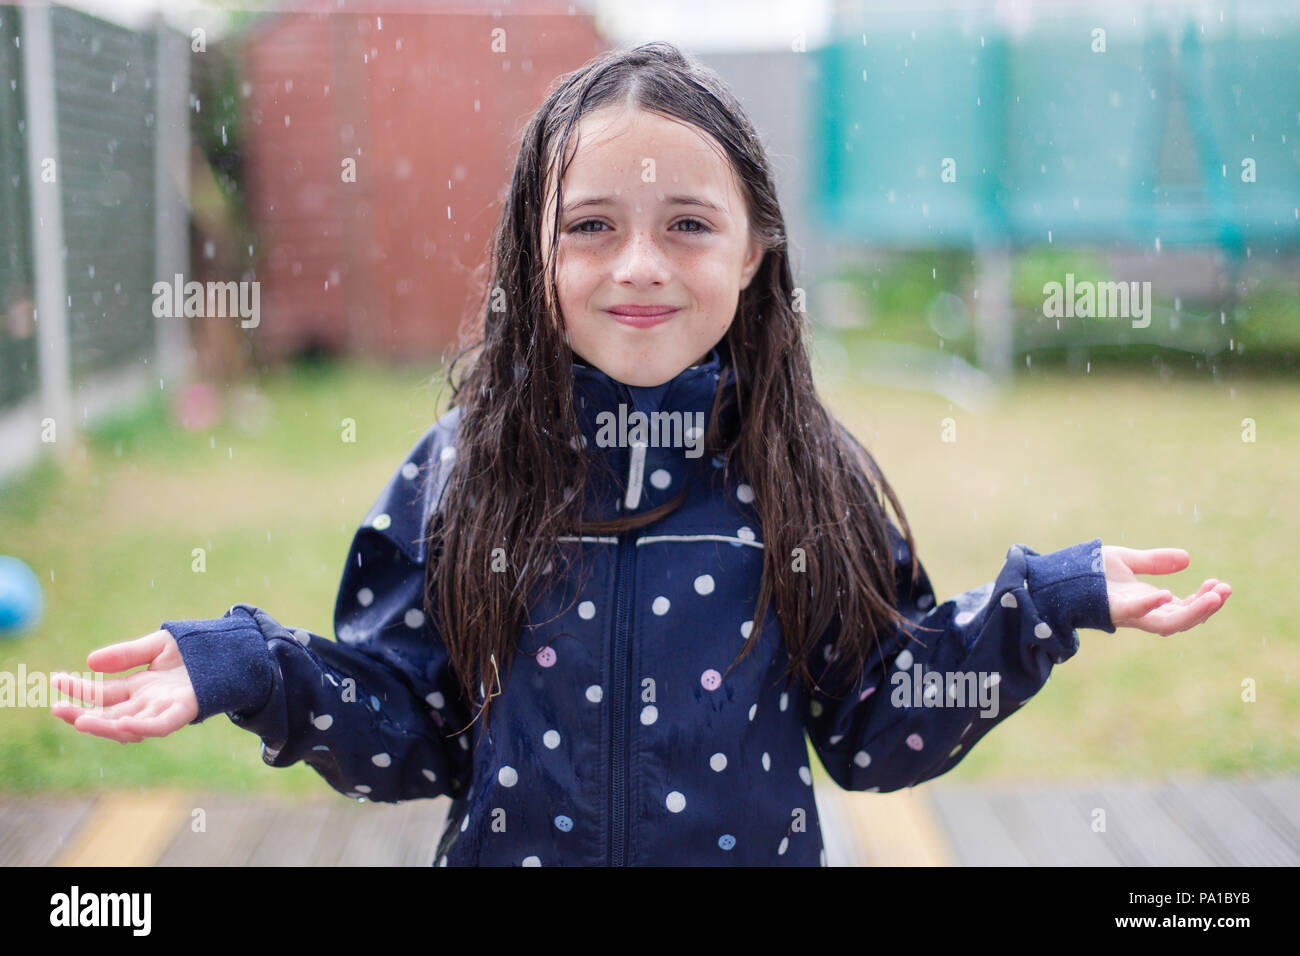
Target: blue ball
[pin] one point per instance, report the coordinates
(21, 602)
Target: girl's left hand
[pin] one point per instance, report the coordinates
(1135, 603)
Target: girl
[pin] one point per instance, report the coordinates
(606, 641)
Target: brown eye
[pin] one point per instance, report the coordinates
(703, 228)
(587, 222)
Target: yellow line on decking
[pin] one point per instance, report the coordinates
(127, 829)
(899, 829)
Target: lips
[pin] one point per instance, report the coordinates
(642, 316)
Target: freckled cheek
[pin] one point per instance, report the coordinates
(711, 273)
(578, 277)
(714, 290)
(575, 295)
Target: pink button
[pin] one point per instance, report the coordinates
(711, 679)
(914, 741)
(546, 657)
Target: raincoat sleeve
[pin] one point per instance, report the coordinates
(376, 712)
(980, 656)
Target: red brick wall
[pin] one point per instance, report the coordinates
(431, 114)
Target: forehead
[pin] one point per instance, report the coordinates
(615, 148)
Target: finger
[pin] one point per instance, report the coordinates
(1174, 618)
(116, 658)
(1210, 610)
(131, 707)
(1155, 560)
(1221, 588)
(1133, 609)
(156, 720)
(154, 708)
(1209, 584)
(99, 692)
(100, 726)
(158, 725)
(68, 712)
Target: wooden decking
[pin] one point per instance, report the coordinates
(1180, 822)
(1174, 822)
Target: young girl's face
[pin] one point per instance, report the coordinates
(652, 217)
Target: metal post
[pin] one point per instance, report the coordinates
(45, 173)
(172, 191)
(993, 316)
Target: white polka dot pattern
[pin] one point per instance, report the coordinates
(626, 730)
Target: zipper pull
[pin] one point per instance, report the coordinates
(635, 470)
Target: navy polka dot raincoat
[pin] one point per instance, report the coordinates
(618, 740)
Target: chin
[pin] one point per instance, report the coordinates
(642, 377)
(640, 373)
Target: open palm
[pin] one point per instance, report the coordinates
(148, 703)
(1135, 603)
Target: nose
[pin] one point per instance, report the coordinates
(641, 261)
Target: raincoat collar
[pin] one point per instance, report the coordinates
(690, 390)
(606, 407)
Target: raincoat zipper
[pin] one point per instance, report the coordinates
(622, 634)
(624, 574)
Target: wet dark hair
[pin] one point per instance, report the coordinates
(518, 478)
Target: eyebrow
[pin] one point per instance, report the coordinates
(670, 200)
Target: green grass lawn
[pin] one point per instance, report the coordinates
(1137, 462)
(1129, 457)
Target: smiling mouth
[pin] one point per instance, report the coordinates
(642, 317)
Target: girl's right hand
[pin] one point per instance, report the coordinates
(148, 703)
